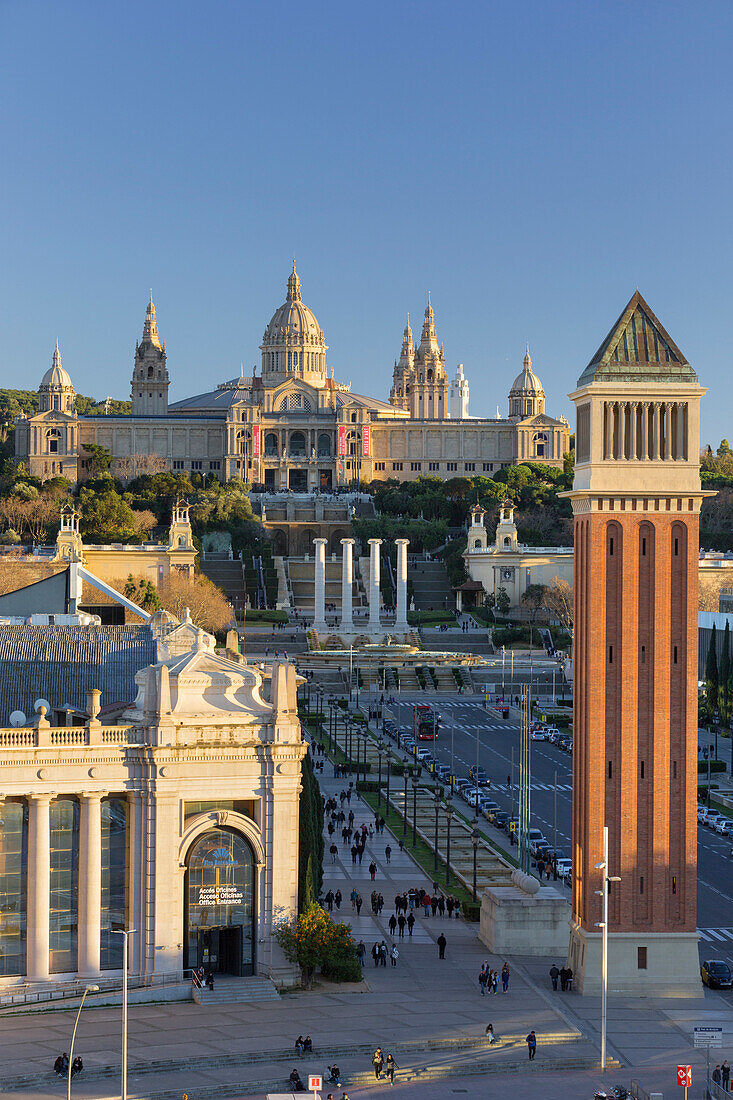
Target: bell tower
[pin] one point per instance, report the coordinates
(636, 501)
(150, 379)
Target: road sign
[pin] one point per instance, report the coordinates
(315, 1083)
(684, 1076)
(708, 1036)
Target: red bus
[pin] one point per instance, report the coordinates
(424, 722)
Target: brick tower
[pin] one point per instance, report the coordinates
(636, 502)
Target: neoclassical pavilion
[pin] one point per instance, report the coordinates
(180, 822)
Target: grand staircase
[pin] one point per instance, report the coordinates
(430, 586)
(227, 575)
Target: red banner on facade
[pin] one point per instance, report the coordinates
(342, 441)
(255, 441)
(366, 439)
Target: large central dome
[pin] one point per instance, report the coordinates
(293, 344)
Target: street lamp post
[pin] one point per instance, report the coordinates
(88, 989)
(603, 925)
(389, 772)
(415, 781)
(125, 933)
(474, 841)
(448, 814)
(380, 750)
(404, 807)
(364, 748)
(437, 811)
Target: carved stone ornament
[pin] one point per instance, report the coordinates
(221, 817)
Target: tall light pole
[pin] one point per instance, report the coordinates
(603, 925)
(88, 989)
(125, 933)
(474, 841)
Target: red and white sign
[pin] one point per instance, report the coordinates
(684, 1076)
(366, 439)
(342, 441)
(315, 1083)
(255, 441)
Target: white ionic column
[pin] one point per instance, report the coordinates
(90, 883)
(644, 430)
(347, 585)
(374, 566)
(39, 885)
(668, 431)
(656, 430)
(400, 625)
(319, 621)
(633, 407)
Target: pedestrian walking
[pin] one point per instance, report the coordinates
(389, 1067)
(361, 951)
(383, 953)
(394, 955)
(337, 897)
(329, 900)
(442, 944)
(378, 1063)
(491, 1038)
(505, 978)
(531, 1045)
(359, 903)
(717, 1075)
(483, 978)
(401, 922)
(554, 975)
(334, 853)
(387, 853)
(392, 925)
(563, 979)
(372, 870)
(410, 923)
(375, 954)
(725, 1075)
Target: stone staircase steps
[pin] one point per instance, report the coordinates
(237, 992)
(430, 586)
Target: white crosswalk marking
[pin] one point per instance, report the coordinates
(717, 935)
(722, 935)
(727, 932)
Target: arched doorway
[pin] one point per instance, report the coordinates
(219, 911)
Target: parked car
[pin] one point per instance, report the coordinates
(488, 809)
(538, 735)
(536, 839)
(501, 819)
(566, 744)
(552, 733)
(443, 772)
(712, 817)
(565, 869)
(425, 755)
(479, 775)
(716, 974)
(701, 811)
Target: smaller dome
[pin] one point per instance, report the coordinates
(56, 375)
(294, 322)
(527, 381)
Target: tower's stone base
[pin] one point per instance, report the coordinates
(672, 963)
(515, 922)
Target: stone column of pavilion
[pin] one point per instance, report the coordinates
(400, 625)
(39, 885)
(90, 883)
(347, 585)
(374, 572)
(319, 621)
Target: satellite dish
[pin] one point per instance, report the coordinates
(17, 718)
(42, 703)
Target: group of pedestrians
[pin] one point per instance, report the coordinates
(61, 1065)
(383, 1067)
(564, 975)
(332, 899)
(721, 1075)
(488, 979)
(380, 953)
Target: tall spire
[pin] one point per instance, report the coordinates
(408, 345)
(527, 360)
(429, 340)
(294, 286)
(150, 328)
(56, 356)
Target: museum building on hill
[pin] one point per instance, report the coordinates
(293, 426)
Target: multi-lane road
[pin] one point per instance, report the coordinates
(472, 733)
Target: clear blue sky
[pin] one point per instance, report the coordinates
(530, 164)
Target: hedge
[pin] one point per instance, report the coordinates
(715, 766)
(266, 616)
(310, 867)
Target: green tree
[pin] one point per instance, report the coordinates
(100, 458)
(310, 871)
(503, 603)
(106, 517)
(724, 448)
(142, 592)
(711, 672)
(313, 940)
